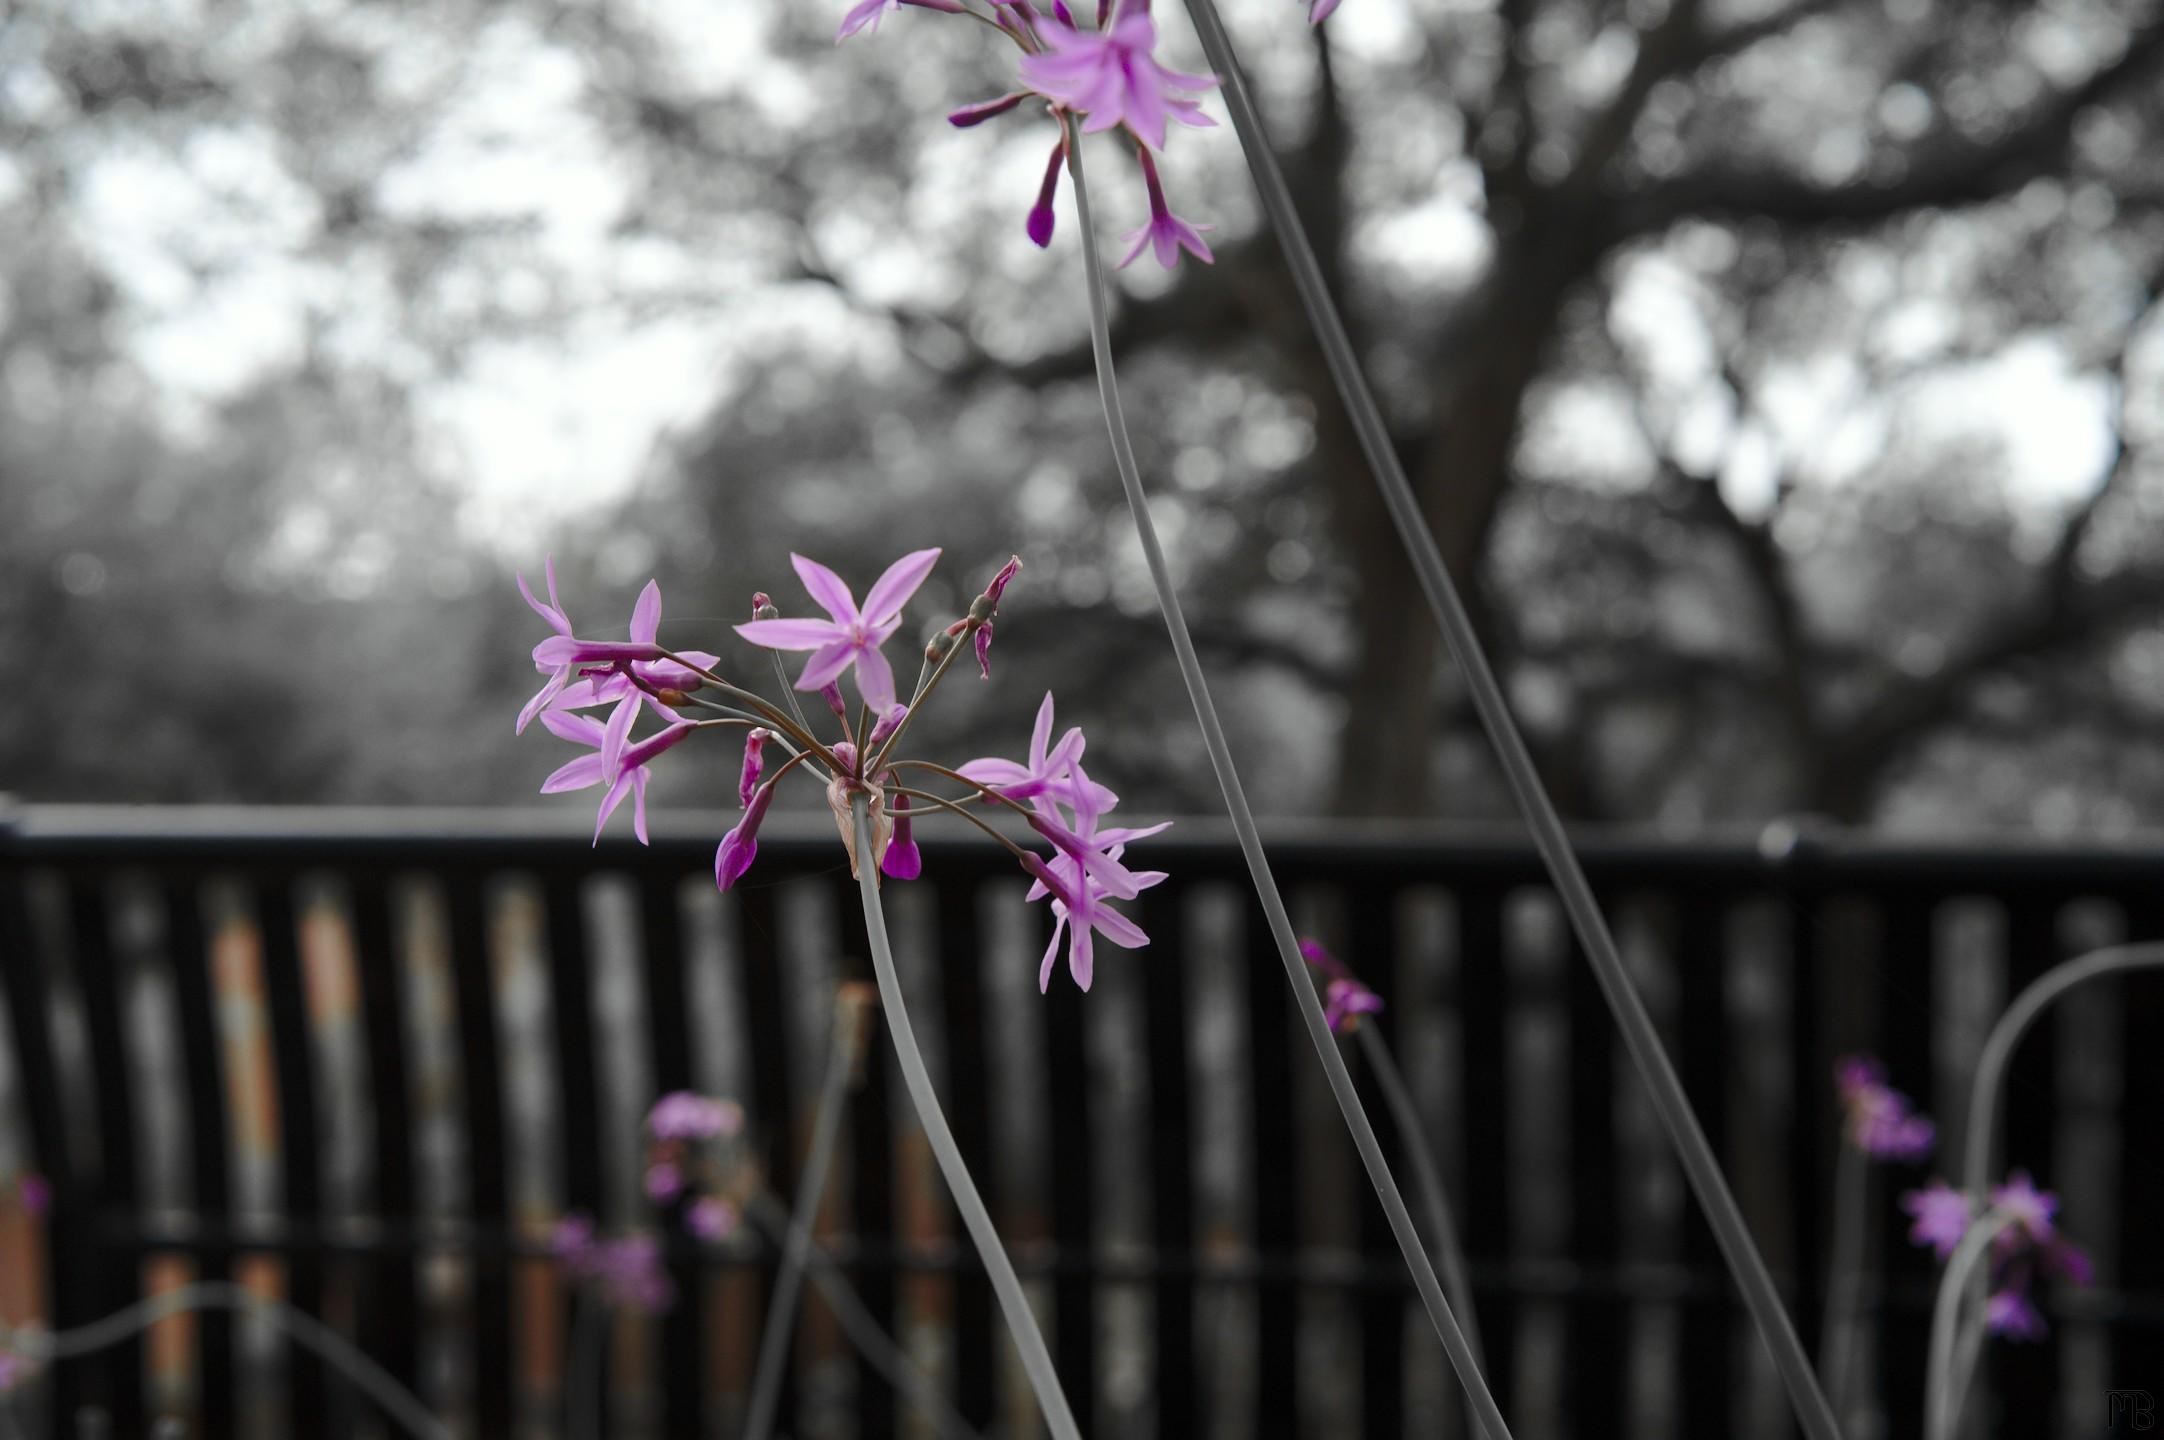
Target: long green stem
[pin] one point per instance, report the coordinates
(1639, 1037)
(1836, 1335)
(1940, 1401)
(1428, 1175)
(858, 1322)
(1021, 1320)
(371, 1379)
(1243, 825)
(811, 1188)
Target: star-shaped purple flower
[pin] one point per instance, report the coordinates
(1110, 77)
(852, 634)
(1941, 1214)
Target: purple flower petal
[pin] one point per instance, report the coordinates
(827, 588)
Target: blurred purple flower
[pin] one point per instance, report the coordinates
(683, 1115)
(711, 1218)
(1111, 77)
(2010, 1313)
(1345, 998)
(1881, 1121)
(1942, 1216)
(664, 1182)
(851, 637)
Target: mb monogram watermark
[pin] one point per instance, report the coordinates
(2128, 1412)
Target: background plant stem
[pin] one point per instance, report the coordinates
(1844, 1272)
(1243, 825)
(1639, 1037)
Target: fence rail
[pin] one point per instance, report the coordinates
(367, 1058)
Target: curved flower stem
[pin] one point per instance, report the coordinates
(1450, 1255)
(1998, 1052)
(788, 690)
(780, 1325)
(1639, 1038)
(1941, 1402)
(1836, 1335)
(859, 1323)
(1243, 825)
(1021, 1321)
(371, 1379)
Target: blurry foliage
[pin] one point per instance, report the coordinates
(1708, 331)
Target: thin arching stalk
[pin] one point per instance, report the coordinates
(1639, 1037)
(860, 1325)
(371, 1379)
(811, 1189)
(1021, 1320)
(1837, 1337)
(1243, 826)
(1941, 1402)
(1428, 1175)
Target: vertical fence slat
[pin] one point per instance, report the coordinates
(116, 1281)
(1071, 1152)
(969, 1087)
(1483, 1012)
(578, 1096)
(1593, 1369)
(668, 1039)
(1274, 1186)
(217, 1382)
(758, 920)
(1904, 1044)
(1161, 914)
(488, 1191)
(390, 1300)
(2025, 1378)
(1708, 1381)
(1371, 944)
(300, 1166)
(2137, 1340)
(1810, 1114)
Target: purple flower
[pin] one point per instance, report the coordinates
(741, 845)
(682, 1115)
(1049, 774)
(1084, 874)
(1942, 1217)
(2029, 1208)
(1345, 998)
(2010, 1313)
(608, 665)
(629, 772)
(852, 636)
(866, 14)
(664, 1182)
(710, 1218)
(1881, 1120)
(1111, 78)
(1319, 10)
(572, 1242)
(1166, 234)
(630, 1273)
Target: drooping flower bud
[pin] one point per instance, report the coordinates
(741, 845)
(633, 757)
(888, 724)
(1040, 219)
(985, 110)
(902, 860)
(832, 694)
(754, 762)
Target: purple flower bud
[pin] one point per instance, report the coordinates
(1066, 16)
(762, 606)
(902, 860)
(888, 724)
(985, 110)
(753, 764)
(711, 1218)
(1040, 219)
(832, 694)
(845, 755)
(741, 845)
(998, 587)
(637, 755)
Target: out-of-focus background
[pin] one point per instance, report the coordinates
(1784, 380)
(1781, 379)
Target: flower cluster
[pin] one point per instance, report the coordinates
(1345, 998)
(691, 1161)
(625, 1271)
(1878, 1119)
(2030, 1246)
(1107, 76)
(1052, 794)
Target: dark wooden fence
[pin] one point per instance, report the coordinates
(366, 1060)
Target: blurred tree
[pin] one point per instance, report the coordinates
(1781, 377)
